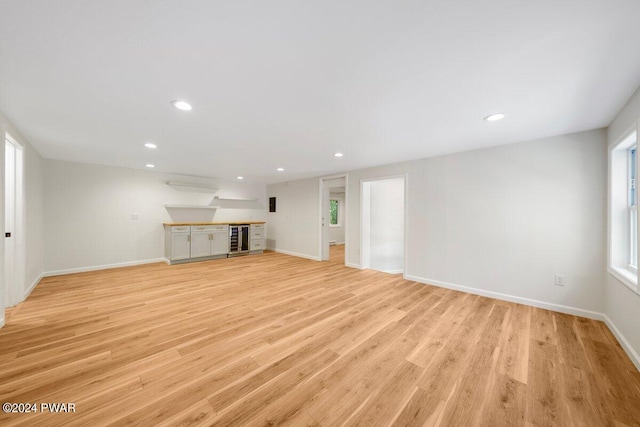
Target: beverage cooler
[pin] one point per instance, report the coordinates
(238, 239)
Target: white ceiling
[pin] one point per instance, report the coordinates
(288, 83)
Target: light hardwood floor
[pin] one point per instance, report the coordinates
(277, 340)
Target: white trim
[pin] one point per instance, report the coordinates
(406, 224)
(352, 265)
(299, 255)
(2, 322)
(361, 256)
(33, 286)
(398, 271)
(618, 268)
(320, 214)
(633, 355)
(526, 301)
(625, 277)
(19, 261)
(101, 267)
(167, 261)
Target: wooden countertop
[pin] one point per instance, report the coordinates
(172, 224)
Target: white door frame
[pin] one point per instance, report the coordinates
(14, 286)
(405, 177)
(323, 238)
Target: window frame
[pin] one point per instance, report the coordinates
(633, 206)
(339, 210)
(622, 210)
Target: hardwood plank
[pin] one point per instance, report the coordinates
(514, 345)
(392, 396)
(544, 406)
(246, 408)
(505, 405)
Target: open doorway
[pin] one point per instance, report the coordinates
(383, 224)
(14, 228)
(333, 218)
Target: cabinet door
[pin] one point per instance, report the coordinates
(200, 244)
(180, 246)
(220, 242)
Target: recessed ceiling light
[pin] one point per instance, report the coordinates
(338, 155)
(149, 165)
(150, 145)
(280, 169)
(494, 117)
(181, 105)
(241, 177)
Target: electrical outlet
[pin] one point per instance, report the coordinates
(559, 279)
(135, 217)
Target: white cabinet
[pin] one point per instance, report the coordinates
(209, 240)
(220, 240)
(205, 241)
(258, 238)
(200, 241)
(178, 244)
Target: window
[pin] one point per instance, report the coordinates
(633, 210)
(334, 212)
(623, 211)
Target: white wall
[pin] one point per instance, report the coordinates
(294, 227)
(34, 217)
(621, 304)
(88, 213)
(336, 232)
(33, 221)
(504, 220)
(499, 221)
(386, 224)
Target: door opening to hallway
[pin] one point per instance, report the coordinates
(333, 217)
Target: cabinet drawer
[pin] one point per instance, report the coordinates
(202, 228)
(257, 234)
(257, 244)
(257, 226)
(220, 228)
(180, 229)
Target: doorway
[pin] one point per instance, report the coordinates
(383, 224)
(333, 218)
(14, 223)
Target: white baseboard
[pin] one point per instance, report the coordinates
(353, 265)
(393, 271)
(101, 267)
(167, 261)
(633, 355)
(505, 297)
(33, 286)
(2, 322)
(282, 251)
